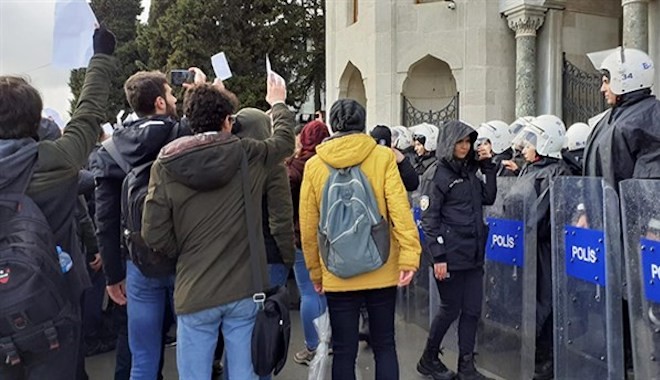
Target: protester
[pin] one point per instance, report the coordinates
(137, 144)
(351, 147)
(47, 172)
(277, 207)
(312, 304)
(195, 212)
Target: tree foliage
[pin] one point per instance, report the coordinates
(189, 32)
(185, 33)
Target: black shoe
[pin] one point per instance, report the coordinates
(431, 365)
(467, 370)
(218, 369)
(543, 366)
(98, 347)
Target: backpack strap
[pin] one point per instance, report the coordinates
(112, 150)
(259, 296)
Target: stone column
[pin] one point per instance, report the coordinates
(525, 22)
(636, 24)
(549, 67)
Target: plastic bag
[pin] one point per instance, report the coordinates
(321, 362)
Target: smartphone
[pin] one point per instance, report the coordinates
(179, 77)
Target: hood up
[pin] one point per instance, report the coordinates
(450, 133)
(17, 159)
(205, 161)
(346, 150)
(311, 136)
(252, 123)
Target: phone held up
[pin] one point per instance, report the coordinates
(179, 77)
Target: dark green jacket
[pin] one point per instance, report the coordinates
(194, 210)
(277, 206)
(54, 185)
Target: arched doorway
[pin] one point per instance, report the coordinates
(429, 93)
(351, 85)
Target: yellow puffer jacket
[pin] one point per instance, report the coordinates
(379, 165)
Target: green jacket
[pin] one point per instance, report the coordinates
(54, 184)
(277, 207)
(194, 210)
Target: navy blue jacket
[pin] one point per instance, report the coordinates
(453, 206)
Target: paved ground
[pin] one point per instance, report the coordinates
(410, 340)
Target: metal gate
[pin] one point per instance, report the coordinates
(580, 94)
(413, 116)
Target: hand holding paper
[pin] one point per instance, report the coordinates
(276, 86)
(74, 27)
(273, 75)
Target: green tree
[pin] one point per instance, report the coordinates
(188, 32)
(119, 16)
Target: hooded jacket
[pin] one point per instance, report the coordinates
(312, 135)
(195, 211)
(379, 166)
(54, 183)
(452, 209)
(277, 207)
(138, 142)
(626, 141)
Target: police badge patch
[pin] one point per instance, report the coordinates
(424, 202)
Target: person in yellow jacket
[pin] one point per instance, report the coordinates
(351, 146)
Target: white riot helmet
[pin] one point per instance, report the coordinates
(576, 136)
(429, 132)
(628, 69)
(497, 132)
(402, 137)
(519, 124)
(547, 133)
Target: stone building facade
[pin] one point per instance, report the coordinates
(414, 60)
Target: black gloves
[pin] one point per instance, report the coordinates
(104, 41)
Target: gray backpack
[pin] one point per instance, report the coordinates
(353, 237)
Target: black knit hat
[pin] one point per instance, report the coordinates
(347, 115)
(383, 135)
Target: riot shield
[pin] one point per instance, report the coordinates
(641, 232)
(413, 301)
(505, 340)
(586, 244)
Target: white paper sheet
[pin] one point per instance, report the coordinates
(273, 74)
(72, 35)
(221, 66)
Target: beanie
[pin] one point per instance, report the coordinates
(347, 115)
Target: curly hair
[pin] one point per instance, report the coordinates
(207, 107)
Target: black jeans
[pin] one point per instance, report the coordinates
(460, 295)
(344, 309)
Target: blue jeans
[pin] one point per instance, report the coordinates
(312, 304)
(277, 274)
(197, 335)
(146, 302)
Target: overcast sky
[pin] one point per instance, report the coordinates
(26, 40)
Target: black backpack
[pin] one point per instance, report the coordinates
(133, 193)
(36, 310)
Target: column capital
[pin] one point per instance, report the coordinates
(525, 20)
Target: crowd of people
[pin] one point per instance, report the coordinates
(186, 216)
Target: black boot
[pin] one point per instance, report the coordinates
(543, 367)
(431, 365)
(467, 370)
